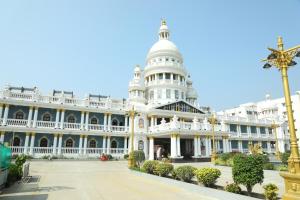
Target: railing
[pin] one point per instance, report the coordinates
(42, 150)
(16, 122)
(116, 151)
(186, 125)
(17, 95)
(96, 127)
(118, 128)
(45, 124)
(67, 150)
(74, 126)
(17, 150)
(97, 151)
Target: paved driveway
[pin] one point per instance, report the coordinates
(96, 180)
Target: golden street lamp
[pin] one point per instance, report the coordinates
(277, 152)
(131, 161)
(213, 121)
(283, 59)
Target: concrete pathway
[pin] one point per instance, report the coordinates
(96, 180)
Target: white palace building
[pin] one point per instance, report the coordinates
(168, 116)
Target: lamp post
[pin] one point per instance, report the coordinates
(277, 152)
(213, 121)
(282, 60)
(131, 161)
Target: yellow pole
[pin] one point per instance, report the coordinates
(131, 161)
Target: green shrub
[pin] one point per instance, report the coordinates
(163, 169)
(285, 157)
(269, 166)
(20, 160)
(138, 157)
(270, 191)
(14, 174)
(207, 176)
(233, 188)
(248, 170)
(221, 162)
(224, 156)
(149, 166)
(185, 173)
(229, 162)
(282, 168)
(173, 174)
(126, 156)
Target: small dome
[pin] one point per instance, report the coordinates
(163, 45)
(137, 68)
(191, 93)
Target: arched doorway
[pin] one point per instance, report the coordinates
(69, 143)
(115, 122)
(16, 142)
(44, 142)
(114, 144)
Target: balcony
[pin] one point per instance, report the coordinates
(22, 123)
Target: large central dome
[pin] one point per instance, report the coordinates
(164, 46)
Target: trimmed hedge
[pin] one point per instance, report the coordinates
(149, 166)
(270, 191)
(184, 173)
(163, 169)
(138, 157)
(233, 188)
(207, 176)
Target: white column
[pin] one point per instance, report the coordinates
(196, 154)
(173, 146)
(104, 144)
(82, 120)
(26, 143)
(229, 146)
(105, 121)
(36, 111)
(224, 145)
(62, 118)
(126, 123)
(125, 145)
(59, 144)
(269, 147)
(54, 144)
(108, 145)
(109, 121)
(85, 144)
(151, 148)
(29, 116)
(80, 144)
(32, 143)
(152, 121)
(178, 146)
(199, 145)
(6, 109)
(1, 110)
(57, 118)
(206, 146)
(240, 146)
(2, 137)
(155, 121)
(87, 120)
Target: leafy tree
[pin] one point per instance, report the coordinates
(138, 157)
(248, 170)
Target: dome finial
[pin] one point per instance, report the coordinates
(163, 30)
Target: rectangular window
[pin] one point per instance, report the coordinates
(168, 94)
(233, 128)
(182, 95)
(244, 129)
(159, 93)
(175, 76)
(270, 131)
(168, 76)
(253, 129)
(176, 94)
(160, 76)
(151, 95)
(262, 130)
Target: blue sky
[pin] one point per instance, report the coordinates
(93, 46)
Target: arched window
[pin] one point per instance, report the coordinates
(47, 117)
(94, 120)
(141, 123)
(16, 142)
(114, 144)
(115, 122)
(69, 143)
(20, 115)
(71, 119)
(141, 145)
(92, 143)
(44, 142)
